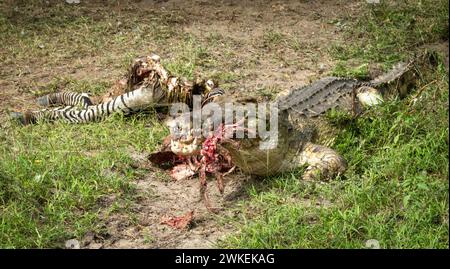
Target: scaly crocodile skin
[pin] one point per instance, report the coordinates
(300, 123)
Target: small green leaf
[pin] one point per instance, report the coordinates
(396, 138)
(423, 186)
(406, 200)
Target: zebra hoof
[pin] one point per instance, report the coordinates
(42, 101)
(19, 117)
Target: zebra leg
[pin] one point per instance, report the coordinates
(323, 162)
(141, 98)
(68, 114)
(30, 117)
(65, 98)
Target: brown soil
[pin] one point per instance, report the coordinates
(158, 199)
(267, 45)
(242, 27)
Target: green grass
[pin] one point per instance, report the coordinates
(396, 187)
(69, 84)
(70, 32)
(54, 178)
(272, 38)
(191, 57)
(388, 33)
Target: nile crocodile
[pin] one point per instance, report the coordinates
(301, 123)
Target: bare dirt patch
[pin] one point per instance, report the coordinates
(158, 199)
(265, 44)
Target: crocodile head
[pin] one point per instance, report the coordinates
(248, 151)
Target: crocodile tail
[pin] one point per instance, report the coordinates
(395, 73)
(422, 62)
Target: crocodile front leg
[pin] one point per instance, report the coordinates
(322, 162)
